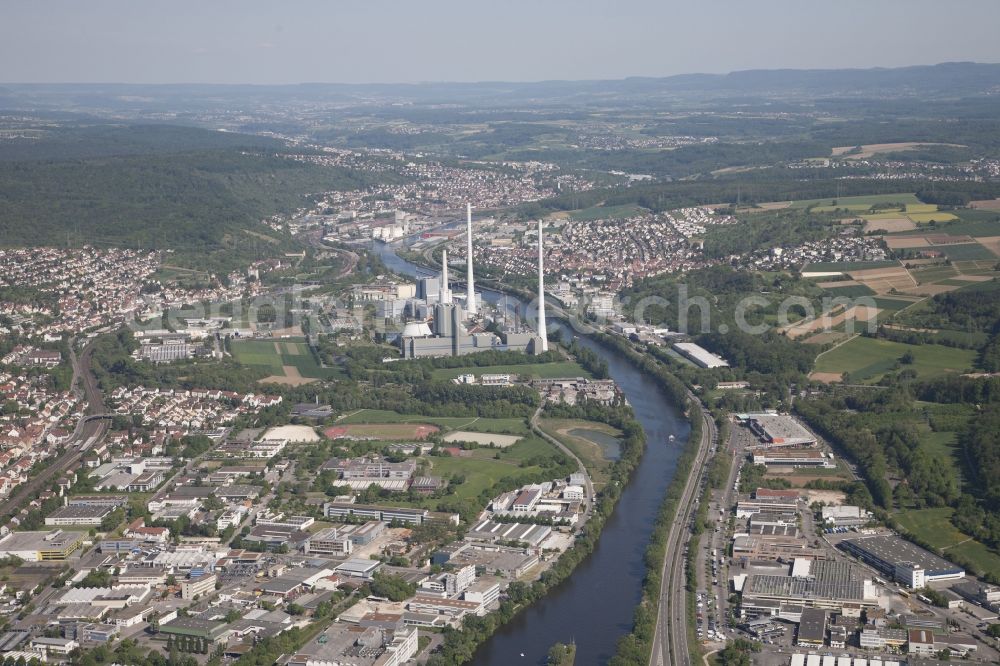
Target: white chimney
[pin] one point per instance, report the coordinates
(541, 292)
(444, 295)
(470, 299)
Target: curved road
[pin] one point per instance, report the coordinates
(562, 447)
(670, 645)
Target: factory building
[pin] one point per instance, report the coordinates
(823, 584)
(812, 628)
(777, 429)
(793, 458)
(195, 587)
(53, 546)
(700, 356)
(906, 562)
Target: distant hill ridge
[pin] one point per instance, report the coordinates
(949, 79)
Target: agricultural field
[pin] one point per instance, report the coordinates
(968, 226)
(893, 304)
(888, 223)
(884, 280)
(859, 203)
(289, 361)
(854, 318)
(851, 289)
(845, 266)
(868, 359)
(937, 216)
(985, 287)
(968, 252)
(534, 370)
(871, 149)
(932, 274)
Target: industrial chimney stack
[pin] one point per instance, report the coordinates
(542, 332)
(470, 299)
(444, 295)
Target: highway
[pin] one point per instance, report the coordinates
(88, 432)
(670, 644)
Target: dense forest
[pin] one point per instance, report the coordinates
(751, 188)
(189, 190)
(979, 514)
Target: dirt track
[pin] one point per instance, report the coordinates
(292, 377)
(828, 320)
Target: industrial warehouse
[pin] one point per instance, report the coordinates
(700, 356)
(794, 458)
(829, 660)
(777, 429)
(783, 591)
(905, 562)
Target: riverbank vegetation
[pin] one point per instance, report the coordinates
(636, 646)
(460, 645)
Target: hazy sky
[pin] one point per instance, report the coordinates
(289, 41)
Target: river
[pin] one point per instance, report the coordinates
(593, 608)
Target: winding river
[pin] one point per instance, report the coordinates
(593, 608)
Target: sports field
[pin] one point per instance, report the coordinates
(867, 359)
(286, 360)
(537, 370)
(382, 431)
(481, 438)
(516, 426)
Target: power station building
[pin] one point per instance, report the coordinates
(448, 335)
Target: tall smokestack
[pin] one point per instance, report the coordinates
(470, 298)
(541, 292)
(444, 295)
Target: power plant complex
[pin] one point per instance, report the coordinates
(457, 329)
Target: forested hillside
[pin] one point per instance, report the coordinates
(193, 191)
